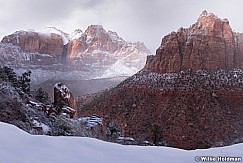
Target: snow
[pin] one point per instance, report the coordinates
(21, 32)
(43, 126)
(125, 138)
(68, 109)
(90, 121)
(119, 69)
(115, 38)
(65, 36)
(17, 39)
(76, 34)
(19, 146)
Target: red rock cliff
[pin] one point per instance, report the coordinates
(96, 49)
(190, 109)
(210, 43)
(36, 42)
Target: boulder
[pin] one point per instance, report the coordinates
(63, 98)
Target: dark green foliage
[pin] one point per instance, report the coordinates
(7, 74)
(157, 134)
(60, 106)
(42, 96)
(113, 129)
(24, 82)
(21, 83)
(62, 126)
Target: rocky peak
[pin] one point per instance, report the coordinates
(115, 37)
(65, 36)
(98, 46)
(76, 34)
(97, 34)
(210, 43)
(94, 30)
(211, 24)
(95, 49)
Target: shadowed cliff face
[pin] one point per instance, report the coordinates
(191, 90)
(192, 110)
(209, 44)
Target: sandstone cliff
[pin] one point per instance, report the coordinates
(209, 44)
(93, 50)
(189, 95)
(101, 48)
(34, 42)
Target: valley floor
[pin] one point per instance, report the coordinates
(19, 146)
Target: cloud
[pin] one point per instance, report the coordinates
(134, 20)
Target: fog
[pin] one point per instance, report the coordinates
(136, 20)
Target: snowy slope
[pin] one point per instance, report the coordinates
(65, 36)
(119, 69)
(18, 146)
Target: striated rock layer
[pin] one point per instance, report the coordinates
(191, 110)
(209, 44)
(34, 42)
(189, 95)
(93, 50)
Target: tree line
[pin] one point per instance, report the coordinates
(20, 83)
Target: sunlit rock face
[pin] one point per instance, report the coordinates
(209, 44)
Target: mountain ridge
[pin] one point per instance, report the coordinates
(186, 96)
(95, 50)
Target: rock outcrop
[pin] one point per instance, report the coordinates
(209, 44)
(35, 117)
(189, 95)
(62, 95)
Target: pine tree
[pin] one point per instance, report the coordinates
(113, 129)
(24, 82)
(8, 74)
(157, 134)
(42, 96)
(21, 83)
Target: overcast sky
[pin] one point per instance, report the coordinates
(134, 20)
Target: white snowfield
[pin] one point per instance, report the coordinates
(17, 146)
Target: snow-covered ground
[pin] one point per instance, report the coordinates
(21, 147)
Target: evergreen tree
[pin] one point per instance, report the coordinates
(21, 83)
(7, 74)
(24, 82)
(157, 134)
(113, 129)
(42, 96)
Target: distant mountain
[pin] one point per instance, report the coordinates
(96, 52)
(189, 95)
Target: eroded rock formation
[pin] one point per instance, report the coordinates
(209, 44)
(189, 95)
(95, 49)
(34, 42)
(63, 99)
